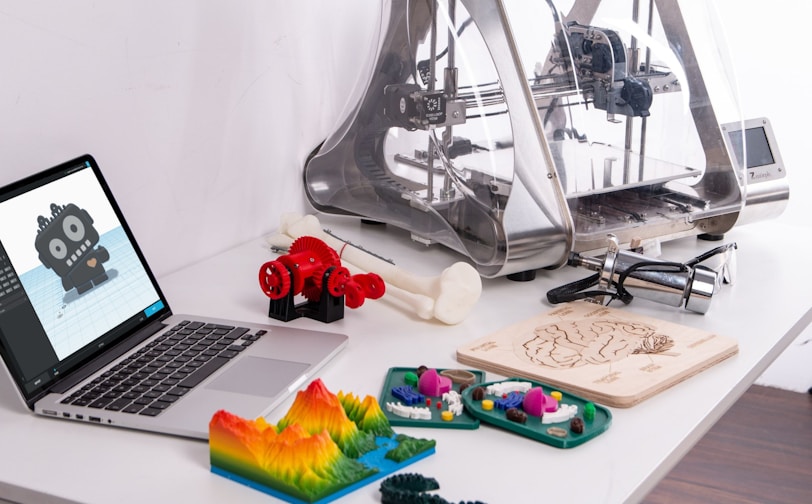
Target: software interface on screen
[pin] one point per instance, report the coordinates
(70, 275)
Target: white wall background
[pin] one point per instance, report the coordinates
(200, 113)
(185, 100)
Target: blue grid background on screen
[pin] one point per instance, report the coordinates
(72, 320)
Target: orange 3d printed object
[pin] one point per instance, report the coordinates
(326, 446)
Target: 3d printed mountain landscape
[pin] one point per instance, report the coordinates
(324, 447)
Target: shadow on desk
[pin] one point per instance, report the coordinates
(758, 452)
(9, 399)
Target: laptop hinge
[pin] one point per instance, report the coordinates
(109, 356)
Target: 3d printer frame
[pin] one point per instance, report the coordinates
(495, 151)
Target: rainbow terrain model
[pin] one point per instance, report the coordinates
(326, 446)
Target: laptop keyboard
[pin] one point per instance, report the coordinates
(156, 376)
(10, 287)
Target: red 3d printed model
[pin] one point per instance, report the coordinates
(313, 269)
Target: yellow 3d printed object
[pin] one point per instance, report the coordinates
(326, 446)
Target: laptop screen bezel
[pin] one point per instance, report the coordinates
(115, 337)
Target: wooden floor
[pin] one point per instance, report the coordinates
(760, 451)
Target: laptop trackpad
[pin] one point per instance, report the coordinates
(258, 376)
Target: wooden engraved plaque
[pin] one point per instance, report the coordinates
(610, 356)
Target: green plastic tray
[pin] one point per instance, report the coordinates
(533, 427)
(395, 378)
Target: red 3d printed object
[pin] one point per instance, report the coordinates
(312, 269)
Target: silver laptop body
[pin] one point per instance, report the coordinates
(86, 334)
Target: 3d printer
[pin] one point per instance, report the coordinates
(518, 133)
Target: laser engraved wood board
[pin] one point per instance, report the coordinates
(611, 356)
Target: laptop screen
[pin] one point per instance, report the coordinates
(72, 280)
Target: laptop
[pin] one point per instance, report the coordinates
(87, 335)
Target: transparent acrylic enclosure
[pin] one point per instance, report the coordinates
(516, 132)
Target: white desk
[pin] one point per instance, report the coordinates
(45, 460)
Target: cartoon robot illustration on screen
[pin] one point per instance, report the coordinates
(67, 244)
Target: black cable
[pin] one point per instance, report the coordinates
(461, 29)
(659, 265)
(718, 250)
(574, 291)
(577, 290)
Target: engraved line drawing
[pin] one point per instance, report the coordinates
(572, 344)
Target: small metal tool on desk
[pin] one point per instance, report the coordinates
(623, 275)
